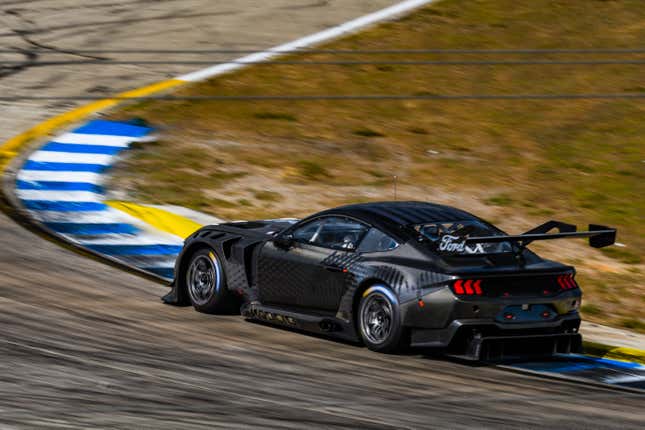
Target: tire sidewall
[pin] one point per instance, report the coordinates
(395, 337)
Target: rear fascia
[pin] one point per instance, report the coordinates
(439, 317)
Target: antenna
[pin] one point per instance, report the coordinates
(394, 178)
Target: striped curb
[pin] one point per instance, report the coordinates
(615, 352)
(61, 187)
(586, 369)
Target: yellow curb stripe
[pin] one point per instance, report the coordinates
(158, 218)
(152, 88)
(11, 147)
(615, 353)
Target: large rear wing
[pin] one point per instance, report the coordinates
(599, 235)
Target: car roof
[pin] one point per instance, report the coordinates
(391, 214)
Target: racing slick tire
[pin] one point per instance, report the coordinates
(379, 320)
(206, 284)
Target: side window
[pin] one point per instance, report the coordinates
(377, 241)
(307, 232)
(339, 233)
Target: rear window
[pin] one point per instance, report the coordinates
(449, 237)
(377, 241)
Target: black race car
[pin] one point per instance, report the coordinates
(391, 274)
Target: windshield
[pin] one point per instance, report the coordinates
(449, 237)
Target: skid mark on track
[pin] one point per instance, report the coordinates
(95, 26)
(27, 4)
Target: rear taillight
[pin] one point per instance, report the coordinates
(566, 282)
(467, 287)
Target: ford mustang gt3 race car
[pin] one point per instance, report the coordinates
(392, 274)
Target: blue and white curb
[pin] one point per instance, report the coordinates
(61, 187)
(585, 368)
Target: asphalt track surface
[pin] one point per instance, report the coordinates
(85, 345)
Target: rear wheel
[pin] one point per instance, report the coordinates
(379, 320)
(206, 283)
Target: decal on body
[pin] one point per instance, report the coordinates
(457, 244)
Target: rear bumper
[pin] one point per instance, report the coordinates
(495, 348)
(475, 340)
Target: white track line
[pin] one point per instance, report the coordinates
(59, 196)
(95, 139)
(58, 176)
(151, 261)
(71, 157)
(144, 238)
(625, 379)
(307, 41)
(108, 215)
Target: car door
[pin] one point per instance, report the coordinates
(284, 270)
(303, 274)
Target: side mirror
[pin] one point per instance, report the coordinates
(284, 241)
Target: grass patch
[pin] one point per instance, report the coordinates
(221, 203)
(367, 132)
(311, 169)
(244, 202)
(267, 196)
(622, 255)
(499, 200)
(281, 116)
(418, 130)
(591, 309)
(633, 324)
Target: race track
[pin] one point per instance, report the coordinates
(87, 345)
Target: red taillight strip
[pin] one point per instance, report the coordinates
(567, 282)
(573, 282)
(478, 287)
(459, 289)
(472, 287)
(561, 283)
(467, 287)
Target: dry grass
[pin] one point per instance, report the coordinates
(514, 162)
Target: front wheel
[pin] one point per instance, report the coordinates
(379, 320)
(206, 283)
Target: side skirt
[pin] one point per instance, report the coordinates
(320, 323)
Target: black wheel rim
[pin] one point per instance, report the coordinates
(203, 278)
(376, 318)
